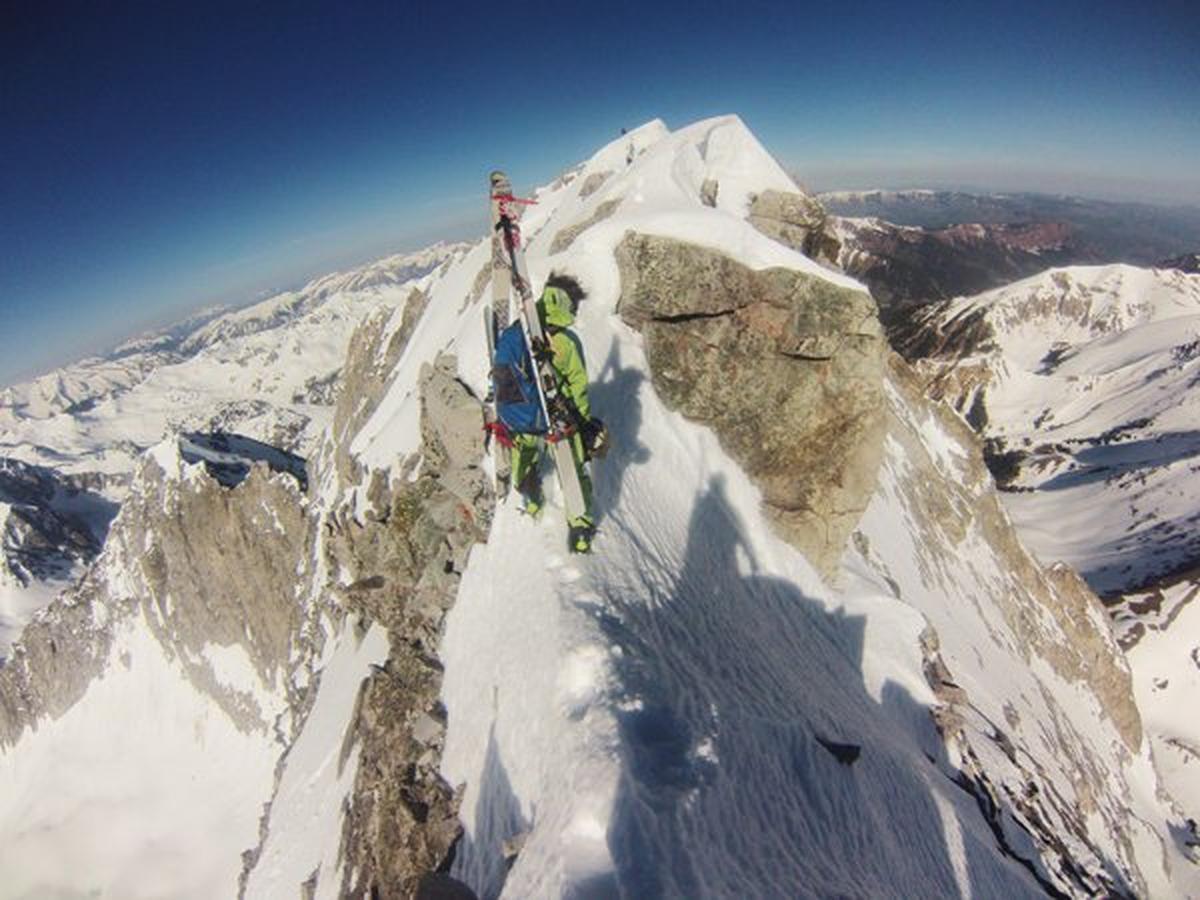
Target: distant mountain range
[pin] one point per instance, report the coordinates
(1082, 382)
(1138, 233)
(70, 439)
(919, 246)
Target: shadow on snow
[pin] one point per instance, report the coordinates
(737, 690)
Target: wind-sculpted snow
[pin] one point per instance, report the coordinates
(693, 710)
(675, 715)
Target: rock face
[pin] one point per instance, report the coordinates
(1029, 746)
(567, 236)
(177, 541)
(404, 563)
(398, 546)
(592, 183)
(43, 534)
(798, 220)
(785, 367)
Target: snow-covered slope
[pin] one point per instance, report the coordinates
(656, 719)
(1083, 380)
(1085, 377)
(268, 371)
(690, 711)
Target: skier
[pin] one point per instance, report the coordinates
(556, 309)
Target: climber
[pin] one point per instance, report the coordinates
(556, 308)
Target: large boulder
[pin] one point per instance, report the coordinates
(785, 366)
(797, 220)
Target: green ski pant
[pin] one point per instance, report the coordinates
(526, 458)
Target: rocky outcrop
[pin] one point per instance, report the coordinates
(374, 351)
(176, 545)
(567, 236)
(404, 562)
(1046, 763)
(51, 666)
(785, 367)
(593, 183)
(187, 538)
(798, 220)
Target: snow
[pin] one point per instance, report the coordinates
(658, 719)
(649, 717)
(146, 787)
(1166, 667)
(234, 670)
(317, 776)
(1091, 371)
(18, 603)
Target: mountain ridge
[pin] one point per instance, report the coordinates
(675, 714)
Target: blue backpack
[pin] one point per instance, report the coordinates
(515, 380)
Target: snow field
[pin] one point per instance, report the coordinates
(148, 789)
(306, 812)
(650, 717)
(1166, 667)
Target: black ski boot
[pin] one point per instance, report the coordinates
(579, 538)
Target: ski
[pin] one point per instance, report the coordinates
(495, 320)
(561, 427)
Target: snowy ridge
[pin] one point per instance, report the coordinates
(1086, 376)
(611, 710)
(691, 711)
(268, 372)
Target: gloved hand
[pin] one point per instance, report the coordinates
(541, 350)
(595, 438)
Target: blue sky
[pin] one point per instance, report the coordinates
(155, 158)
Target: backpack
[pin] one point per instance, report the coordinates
(514, 376)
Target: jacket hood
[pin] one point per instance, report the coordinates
(555, 308)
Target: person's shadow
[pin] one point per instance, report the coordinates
(755, 762)
(615, 397)
(498, 819)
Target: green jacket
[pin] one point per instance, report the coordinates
(554, 307)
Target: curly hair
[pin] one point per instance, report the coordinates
(568, 284)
